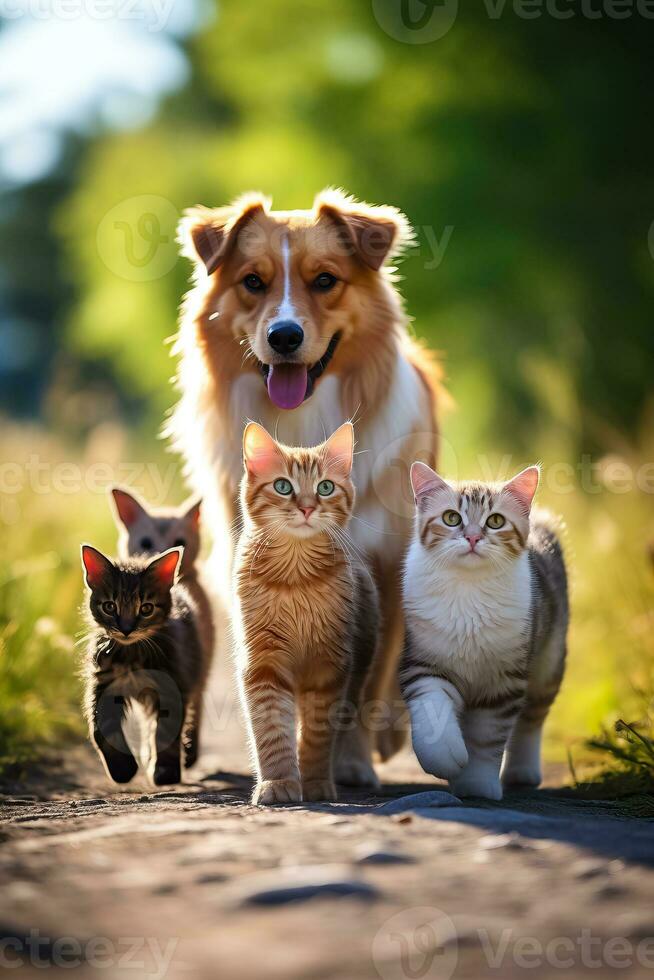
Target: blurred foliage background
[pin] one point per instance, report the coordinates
(519, 147)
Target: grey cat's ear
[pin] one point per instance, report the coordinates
(127, 508)
(192, 513)
(164, 567)
(96, 566)
(206, 235)
(425, 481)
(524, 486)
(339, 449)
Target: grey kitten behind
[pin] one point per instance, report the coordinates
(145, 530)
(486, 603)
(144, 647)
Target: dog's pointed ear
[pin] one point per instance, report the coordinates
(375, 234)
(206, 235)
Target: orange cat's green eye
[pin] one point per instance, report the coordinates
(495, 522)
(285, 487)
(147, 608)
(109, 607)
(451, 518)
(325, 488)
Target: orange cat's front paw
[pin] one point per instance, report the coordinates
(271, 791)
(314, 790)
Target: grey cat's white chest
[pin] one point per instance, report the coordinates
(476, 630)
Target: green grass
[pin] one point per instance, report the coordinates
(611, 657)
(45, 514)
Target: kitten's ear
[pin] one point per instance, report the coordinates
(127, 509)
(193, 513)
(261, 453)
(96, 566)
(426, 481)
(164, 567)
(339, 449)
(524, 486)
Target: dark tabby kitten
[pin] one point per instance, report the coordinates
(144, 647)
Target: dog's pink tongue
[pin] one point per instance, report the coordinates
(287, 385)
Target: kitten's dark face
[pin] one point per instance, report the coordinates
(130, 600)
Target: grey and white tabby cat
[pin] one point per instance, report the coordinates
(143, 646)
(486, 603)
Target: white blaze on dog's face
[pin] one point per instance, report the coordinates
(292, 290)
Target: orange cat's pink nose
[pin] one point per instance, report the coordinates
(472, 540)
(307, 511)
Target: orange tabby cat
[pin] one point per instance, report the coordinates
(306, 619)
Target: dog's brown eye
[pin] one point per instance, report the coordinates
(324, 282)
(109, 607)
(254, 283)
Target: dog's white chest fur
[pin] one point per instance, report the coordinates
(318, 417)
(474, 625)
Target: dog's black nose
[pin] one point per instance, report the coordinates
(285, 336)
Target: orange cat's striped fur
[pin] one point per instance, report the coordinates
(306, 619)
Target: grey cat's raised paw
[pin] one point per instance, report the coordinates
(477, 781)
(443, 757)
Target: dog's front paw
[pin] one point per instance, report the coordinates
(315, 790)
(271, 791)
(478, 780)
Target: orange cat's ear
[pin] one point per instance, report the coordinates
(164, 567)
(261, 453)
(126, 507)
(425, 481)
(339, 449)
(524, 486)
(96, 566)
(193, 513)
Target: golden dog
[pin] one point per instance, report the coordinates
(294, 321)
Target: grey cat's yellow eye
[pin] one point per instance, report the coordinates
(325, 488)
(452, 518)
(495, 521)
(285, 487)
(109, 607)
(147, 608)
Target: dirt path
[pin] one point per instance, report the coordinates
(198, 883)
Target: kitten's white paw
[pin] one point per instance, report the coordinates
(277, 791)
(478, 780)
(443, 755)
(522, 775)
